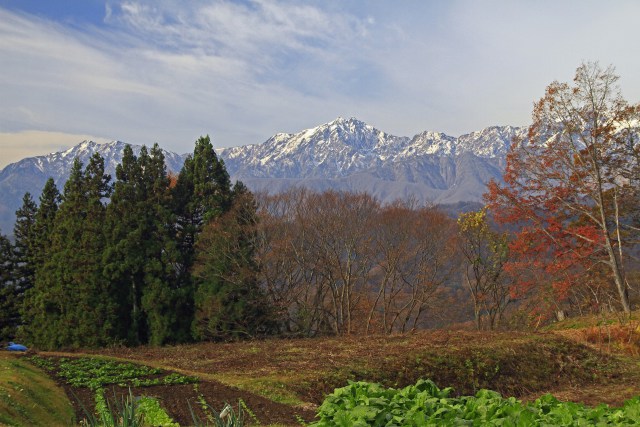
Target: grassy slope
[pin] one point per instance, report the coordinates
(303, 371)
(28, 397)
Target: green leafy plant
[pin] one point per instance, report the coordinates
(153, 413)
(370, 404)
(41, 362)
(95, 373)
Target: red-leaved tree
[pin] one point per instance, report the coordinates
(571, 185)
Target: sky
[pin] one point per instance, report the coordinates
(169, 71)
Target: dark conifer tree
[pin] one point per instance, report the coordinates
(42, 228)
(228, 299)
(140, 251)
(44, 222)
(47, 304)
(70, 305)
(9, 291)
(121, 260)
(202, 193)
(25, 244)
(163, 298)
(96, 316)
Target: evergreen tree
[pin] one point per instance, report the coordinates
(70, 305)
(229, 302)
(42, 228)
(24, 245)
(120, 260)
(9, 291)
(46, 304)
(140, 252)
(96, 314)
(201, 194)
(163, 300)
(44, 222)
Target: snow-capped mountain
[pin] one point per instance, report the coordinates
(30, 174)
(346, 146)
(58, 165)
(345, 154)
(332, 150)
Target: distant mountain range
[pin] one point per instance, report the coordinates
(345, 154)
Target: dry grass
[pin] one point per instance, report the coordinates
(301, 372)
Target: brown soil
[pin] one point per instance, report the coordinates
(180, 400)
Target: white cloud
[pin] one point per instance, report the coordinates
(169, 70)
(159, 68)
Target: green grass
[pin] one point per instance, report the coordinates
(28, 397)
(274, 387)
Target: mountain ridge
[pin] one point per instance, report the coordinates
(344, 154)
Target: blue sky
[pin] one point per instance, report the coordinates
(168, 71)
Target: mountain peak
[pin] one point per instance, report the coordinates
(340, 123)
(350, 121)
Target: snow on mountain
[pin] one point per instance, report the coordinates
(30, 174)
(492, 142)
(346, 146)
(58, 165)
(345, 154)
(334, 149)
(348, 154)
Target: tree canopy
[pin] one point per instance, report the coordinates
(571, 185)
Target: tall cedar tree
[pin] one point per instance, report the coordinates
(9, 291)
(163, 301)
(44, 222)
(229, 302)
(42, 228)
(24, 247)
(140, 251)
(201, 194)
(572, 184)
(70, 303)
(123, 258)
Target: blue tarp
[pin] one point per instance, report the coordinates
(16, 347)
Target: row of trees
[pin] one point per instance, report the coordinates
(102, 264)
(342, 263)
(150, 267)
